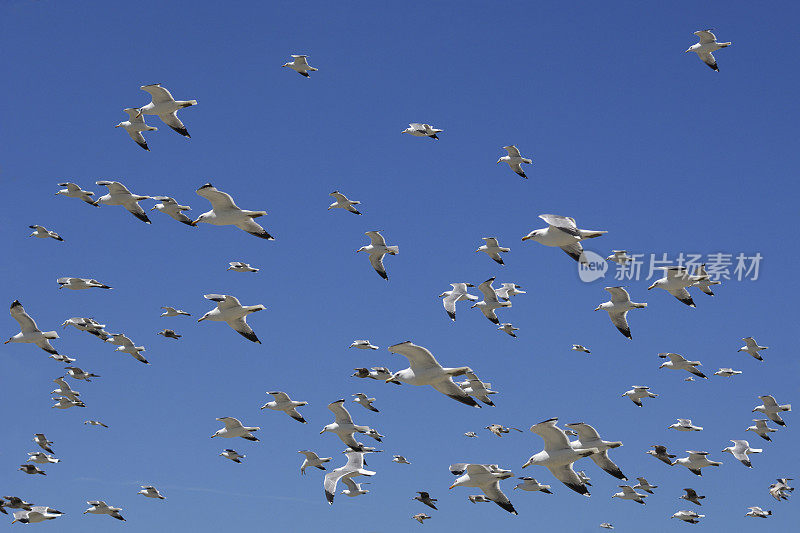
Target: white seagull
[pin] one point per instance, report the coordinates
(708, 44)
(688, 516)
(312, 460)
(781, 490)
(229, 310)
(65, 390)
(166, 107)
(135, 126)
(752, 347)
(41, 458)
(422, 130)
(77, 284)
(37, 513)
(363, 344)
(88, 325)
(618, 308)
(353, 489)
(691, 496)
(74, 191)
(300, 65)
(171, 311)
(619, 256)
(168, 205)
(94, 423)
(421, 517)
(400, 460)
(78, 373)
(43, 443)
(126, 345)
(477, 388)
(531, 485)
(458, 294)
(580, 348)
(365, 401)
(740, 449)
(233, 455)
(562, 232)
(761, 429)
(515, 160)
(478, 498)
(771, 409)
(43, 233)
(727, 372)
(629, 494)
(343, 426)
(101, 507)
(679, 362)
(30, 333)
(376, 250)
(118, 194)
(169, 334)
(487, 478)
(675, 281)
(508, 290)
(695, 461)
(508, 328)
(342, 202)
(589, 438)
(354, 467)
(702, 280)
(380, 373)
(149, 491)
(644, 485)
(493, 249)
(239, 266)
(225, 212)
(234, 428)
(757, 512)
(283, 403)
(684, 424)
(490, 301)
(638, 392)
(31, 470)
(66, 403)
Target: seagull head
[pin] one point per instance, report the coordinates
(120, 125)
(652, 286)
(361, 249)
(532, 236)
(204, 317)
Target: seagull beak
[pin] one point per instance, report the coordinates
(117, 126)
(321, 432)
(651, 286)
(451, 486)
(194, 222)
(152, 208)
(597, 308)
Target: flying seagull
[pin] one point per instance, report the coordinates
(149, 491)
(300, 65)
(493, 249)
(43, 233)
(675, 281)
(580, 348)
(363, 344)
(708, 44)
(420, 517)
(740, 449)
(660, 453)
(771, 409)
(702, 280)
(166, 107)
(127, 346)
(229, 310)
(679, 362)
(531, 485)
(508, 328)
(239, 266)
(751, 347)
(312, 460)
(619, 256)
(685, 424)
(628, 493)
(234, 428)
(477, 388)
(225, 212)
(458, 294)
(41, 458)
(515, 160)
(638, 392)
(490, 301)
(94, 423)
(781, 490)
(589, 438)
(118, 194)
(425, 498)
(171, 207)
(691, 496)
(727, 372)
(688, 516)
(354, 467)
(757, 512)
(376, 249)
(37, 513)
(422, 130)
(74, 191)
(644, 485)
(695, 461)
(169, 334)
(562, 232)
(135, 126)
(283, 403)
(101, 507)
(77, 284)
(342, 202)
(343, 426)
(618, 308)
(487, 478)
(761, 429)
(233, 455)
(365, 401)
(171, 311)
(30, 333)
(508, 290)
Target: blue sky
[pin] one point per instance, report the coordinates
(627, 133)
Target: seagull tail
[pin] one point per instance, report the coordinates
(393, 249)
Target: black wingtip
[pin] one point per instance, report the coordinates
(580, 489)
(142, 217)
(383, 275)
(329, 497)
(182, 131)
(144, 146)
(507, 506)
(468, 400)
(434, 137)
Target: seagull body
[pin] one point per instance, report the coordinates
(771, 409)
(508, 290)
(695, 461)
(702, 281)
(95, 423)
(708, 44)
(169, 334)
(478, 498)
(238, 266)
(312, 460)
(740, 449)
(531, 485)
(118, 194)
(781, 490)
(127, 346)
(342, 202)
(43, 443)
(354, 467)
(30, 333)
(493, 249)
(424, 369)
(376, 250)
(752, 347)
(425, 498)
(660, 453)
(101, 507)
(43, 233)
(589, 438)
(225, 212)
(644, 485)
(300, 65)
(562, 232)
(508, 328)
(171, 311)
(364, 401)
(74, 191)
(458, 294)
(343, 426)
(233, 455)
(678, 362)
(65, 390)
(515, 160)
(399, 459)
(283, 403)
(88, 325)
(41, 458)
(169, 206)
(37, 513)
(477, 388)
(379, 373)
(606, 525)
(558, 455)
(684, 424)
(135, 126)
(499, 429)
(757, 512)
(580, 348)
(77, 373)
(31, 470)
(229, 310)
(13, 502)
(691, 496)
(688, 516)
(148, 491)
(727, 372)
(66, 403)
(675, 281)
(472, 435)
(363, 345)
(619, 256)
(422, 130)
(77, 284)
(638, 392)
(629, 494)
(761, 429)
(490, 301)
(487, 478)
(166, 107)
(234, 428)
(62, 358)
(618, 308)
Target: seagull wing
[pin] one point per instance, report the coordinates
(489, 294)
(280, 396)
(706, 37)
(448, 388)
(300, 61)
(603, 461)
(419, 358)
(566, 475)
(351, 485)
(26, 323)
(376, 260)
(231, 423)
(159, 94)
(708, 59)
(553, 436)
(618, 295)
(172, 120)
(494, 493)
(619, 320)
(512, 150)
(769, 401)
(574, 250)
(134, 115)
(341, 413)
(114, 187)
(220, 201)
(491, 242)
(242, 328)
(449, 303)
(376, 238)
(565, 224)
(585, 432)
(224, 301)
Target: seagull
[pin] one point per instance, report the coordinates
(508, 328)
(708, 43)
(678, 362)
(378, 372)
(363, 345)
(30, 333)
(172, 208)
(126, 346)
(675, 281)
(472, 435)
(458, 294)
(771, 409)
(353, 489)
(688, 516)
(619, 256)
(589, 438)
(62, 358)
(493, 249)
(312, 460)
(757, 512)
(422, 130)
(702, 281)
(424, 369)
(490, 301)
(88, 325)
(65, 390)
(41, 458)
(425, 498)
(171, 311)
(376, 250)
(606, 525)
(101, 507)
(781, 490)
(752, 347)
(487, 478)
(342, 202)
(364, 401)
(343, 426)
(74, 191)
(740, 449)
(224, 212)
(166, 107)
(238, 266)
(477, 388)
(66, 403)
(478, 498)
(420, 517)
(169, 334)
(727, 372)
(95, 423)
(644, 485)
(638, 392)
(580, 348)
(562, 232)
(400, 460)
(629, 494)
(77, 284)
(76, 373)
(118, 194)
(31, 469)
(499, 429)
(531, 485)
(660, 453)
(558, 455)
(148, 491)
(354, 467)
(691, 496)
(235, 314)
(689, 379)
(234, 428)
(515, 160)
(508, 290)
(684, 424)
(233, 455)
(135, 126)
(43, 443)
(284, 403)
(13, 502)
(43, 233)
(37, 513)
(695, 461)
(761, 429)
(618, 308)
(300, 65)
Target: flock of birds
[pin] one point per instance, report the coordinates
(562, 447)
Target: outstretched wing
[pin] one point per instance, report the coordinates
(26, 323)
(512, 150)
(220, 201)
(159, 94)
(242, 328)
(565, 224)
(419, 358)
(376, 238)
(342, 415)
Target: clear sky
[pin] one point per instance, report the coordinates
(627, 133)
